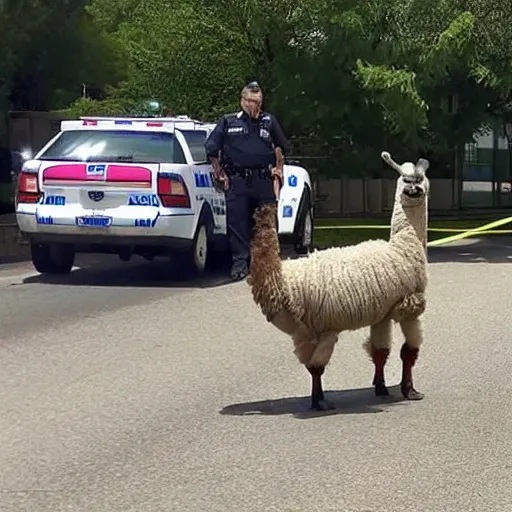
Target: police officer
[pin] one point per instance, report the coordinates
(252, 146)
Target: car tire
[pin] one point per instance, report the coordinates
(305, 224)
(52, 258)
(191, 262)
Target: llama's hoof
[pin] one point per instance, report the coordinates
(322, 405)
(381, 389)
(410, 393)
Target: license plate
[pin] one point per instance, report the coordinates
(94, 222)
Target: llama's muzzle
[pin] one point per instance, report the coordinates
(414, 191)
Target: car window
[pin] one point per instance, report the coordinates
(195, 140)
(179, 155)
(116, 146)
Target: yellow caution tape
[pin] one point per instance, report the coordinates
(376, 226)
(480, 230)
(434, 230)
(461, 233)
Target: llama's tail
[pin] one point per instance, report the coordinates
(266, 278)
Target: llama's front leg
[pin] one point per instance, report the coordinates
(315, 357)
(378, 346)
(411, 327)
(318, 402)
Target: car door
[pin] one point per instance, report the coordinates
(203, 174)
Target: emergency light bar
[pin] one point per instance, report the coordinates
(183, 122)
(129, 120)
(123, 122)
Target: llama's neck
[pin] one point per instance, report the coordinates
(266, 277)
(410, 220)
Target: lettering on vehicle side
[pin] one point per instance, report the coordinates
(203, 180)
(44, 219)
(96, 170)
(287, 211)
(54, 200)
(292, 180)
(218, 205)
(143, 223)
(143, 200)
(146, 223)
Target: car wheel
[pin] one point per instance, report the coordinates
(191, 262)
(200, 249)
(304, 235)
(52, 258)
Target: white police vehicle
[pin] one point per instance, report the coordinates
(137, 186)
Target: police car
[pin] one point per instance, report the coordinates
(137, 186)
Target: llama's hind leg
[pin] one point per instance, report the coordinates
(378, 346)
(412, 330)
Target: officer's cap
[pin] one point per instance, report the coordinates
(252, 88)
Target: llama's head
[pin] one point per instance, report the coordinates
(413, 185)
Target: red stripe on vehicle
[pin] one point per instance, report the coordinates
(67, 172)
(128, 173)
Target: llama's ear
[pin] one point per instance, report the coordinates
(387, 158)
(422, 165)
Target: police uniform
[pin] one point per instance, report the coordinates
(247, 148)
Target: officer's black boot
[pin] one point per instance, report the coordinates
(239, 271)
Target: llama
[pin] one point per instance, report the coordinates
(370, 284)
(408, 312)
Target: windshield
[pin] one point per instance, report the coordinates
(195, 140)
(115, 146)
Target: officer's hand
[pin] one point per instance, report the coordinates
(278, 171)
(221, 181)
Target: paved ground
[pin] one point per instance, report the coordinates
(120, 391)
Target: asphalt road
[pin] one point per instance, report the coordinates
(122, 391)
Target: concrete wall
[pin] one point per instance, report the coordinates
(345, 196)
(12, 246)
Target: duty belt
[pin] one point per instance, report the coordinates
(246, 172)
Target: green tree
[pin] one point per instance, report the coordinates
(348, 78)
(48, 49)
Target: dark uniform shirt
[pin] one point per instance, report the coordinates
(245, 142)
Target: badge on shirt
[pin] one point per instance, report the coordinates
(264, 134)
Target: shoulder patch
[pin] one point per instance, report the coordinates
(232, 115)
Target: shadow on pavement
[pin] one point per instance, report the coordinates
(153, 274)
(488, 249)
(109, 271)
(350, 401)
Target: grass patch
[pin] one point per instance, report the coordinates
(351, 236)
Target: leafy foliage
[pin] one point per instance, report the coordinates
(346, 78)
(48, 49)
